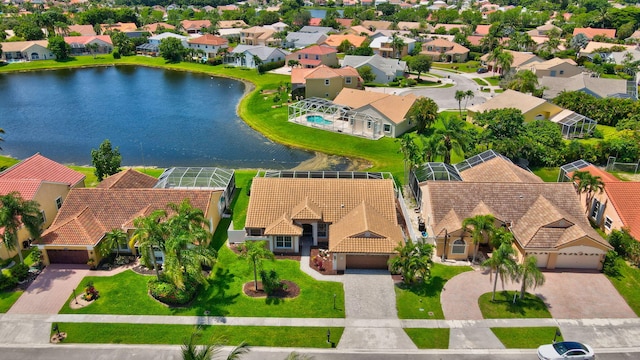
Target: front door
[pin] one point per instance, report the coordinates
(307, 230)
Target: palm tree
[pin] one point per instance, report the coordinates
(482, 229)
(411, 154)
(587, 184)
(413, 260)
(14, 213)
(257, 61)
(255, 252)
(397, 44)
(529, 274)
(493, 58)
(454, 137)
(150, 234)
(1, 129)
(93, 49)
(524, 81)
(502, 264)
(459, 96)
(424, 113)
(468, 95)
(113, 239)
(431, 147)
(504, 60)
(191, 351)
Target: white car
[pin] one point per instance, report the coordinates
(566, 350)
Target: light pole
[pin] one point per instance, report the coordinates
(334, 301)
(328, 336)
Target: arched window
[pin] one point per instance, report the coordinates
(458, 247)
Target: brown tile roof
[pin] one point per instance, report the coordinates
(364, 230)
(359, 29)
(625, 197)
(378, 25)
(499, 169)
(592, 32)
(306, 210)
(128, 179)
(208, 39)
(317, 50)
(529, 207)
(482, 30)
(26, 187)
(605, 176)
(335, 40)
(230, 24)
(273, 200)
(42, 168)
(87, 213)
(283, 226)
(300, 75)
(195, 24)
(123, 27)
(85, 30)
(152, 28)
(394, 107)
(345, 22)
(509, 99)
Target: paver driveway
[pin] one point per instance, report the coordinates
(568, 295)
(51, 289)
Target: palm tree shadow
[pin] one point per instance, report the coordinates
(214, 300)
(426, 289)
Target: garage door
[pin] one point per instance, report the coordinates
(367, 261)
(68, 256)
(578, 261)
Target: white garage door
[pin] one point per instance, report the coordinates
(542, 257)
(578, 261)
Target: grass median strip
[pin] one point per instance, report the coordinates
(87, 333)
(429, 338)
(7, 299)
(526, 338)
(531, 307)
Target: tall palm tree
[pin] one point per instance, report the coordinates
(397, 44)
(454, 137)
(150, 234)
(113, 240)
(468, 95)
(482, 228)
(502, 264)
(431, 147)
(493, 57)
(1, 129)
(411, 154)
(529, 275)
(183, 261)
(459, 96)
(504, 60)
(14, 213)
(191, 351)
(255, 252)
(587, 184)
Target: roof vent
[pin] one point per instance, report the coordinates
(342, 206)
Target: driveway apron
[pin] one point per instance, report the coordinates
(50, 290)
(370, 294)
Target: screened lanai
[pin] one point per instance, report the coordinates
(325, 114)
(207, 178)
(574, 125)
(569, 168)
(478, 159)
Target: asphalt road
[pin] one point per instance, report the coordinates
(144, 352)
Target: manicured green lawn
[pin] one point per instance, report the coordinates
(126, 293)
(312, 337)
(91, 180)
(7, 299)
(426, 296)
(493, 80)
(547, 174)
(6, 162)
(468, 67)
(530, 307)
(429, 338)
(480, 82)
(628, 285)
(526, 338)
(241, 202)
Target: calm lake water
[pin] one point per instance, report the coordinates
(157, 118)
(321, 13)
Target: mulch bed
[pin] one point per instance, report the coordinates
(143, 270)
(280, 256)
(327, 265)
(292, 291)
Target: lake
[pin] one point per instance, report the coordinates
(156, 117)
(322, 13)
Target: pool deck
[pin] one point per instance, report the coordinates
(336, 125)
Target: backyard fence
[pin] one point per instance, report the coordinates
(613, 165)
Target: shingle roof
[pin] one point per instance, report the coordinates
(394, 107)
(128, 179)
(599, 87)
(527, 206)
(42, 168)
(388, 66)
(499, 169)
(22, 45)
(87, 213)
(26, 187)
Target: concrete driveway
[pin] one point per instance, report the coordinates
(51, 289)
(568, 295)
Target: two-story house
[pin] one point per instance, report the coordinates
(445, 50)
(259, 35)
(315, 56)
(210, 44)
(325, 82)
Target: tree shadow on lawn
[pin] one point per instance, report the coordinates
(433, 287)
(521, 306)
(214, 300)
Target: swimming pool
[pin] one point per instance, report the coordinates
(317, 119)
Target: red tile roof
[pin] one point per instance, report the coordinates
(27, 187)
(42, 168)
(317, 50)
(625, 197)
(592, 32)
(87, 39)
(128, 179)
(208, 39)
(88, 213)
(605, 176)
(315, 21)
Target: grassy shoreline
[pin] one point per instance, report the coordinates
(257, 112)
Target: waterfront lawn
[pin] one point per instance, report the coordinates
(6, 162)
(91, 333)
(530, 307)
(547, 174)
(429, 338)
(241, 201)
(526, 338)
(91, 180)
(425, 296)
(126, 294)
(628, 285)
(7, 299)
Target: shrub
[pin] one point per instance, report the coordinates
(7, 282)
(168, 293)
(20, 272)
(116, 53)
(270, 281)
(215, 60)
(612, 264)
(263, 68)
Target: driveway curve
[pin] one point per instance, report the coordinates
(568, 295)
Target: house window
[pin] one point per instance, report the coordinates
(58, 202)
(607, 223)
(322, 230)
(347, 80)
(553, 73)
(326, 81)
(306, 56)
(283, 242)
(299, 56)
(561, 72)
(458, 247)
(317, 57)
(255, 232)
(387, 128)
(595, 209)
(326, 95)
(43, 216)
(368, 124)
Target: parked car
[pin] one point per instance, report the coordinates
(482, 70)
(566, 350)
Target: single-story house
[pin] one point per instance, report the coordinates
(334, 40)
(195, 26)
(325, 82)
(445, 50)
(156, 27)
(546, 219)
(598, 87)
(314, 56)
(355, 217)
(590, 32)
(42, 180)
(317, 29)
(521, 60)
(26, 51)
(119, 26)
(231, 24)
(83, 30)
(243, 55)
(79, 44)
(556, 67)
(89, 214)
(377, 25)
(590, 50)
(386, 70)
(303, 39)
